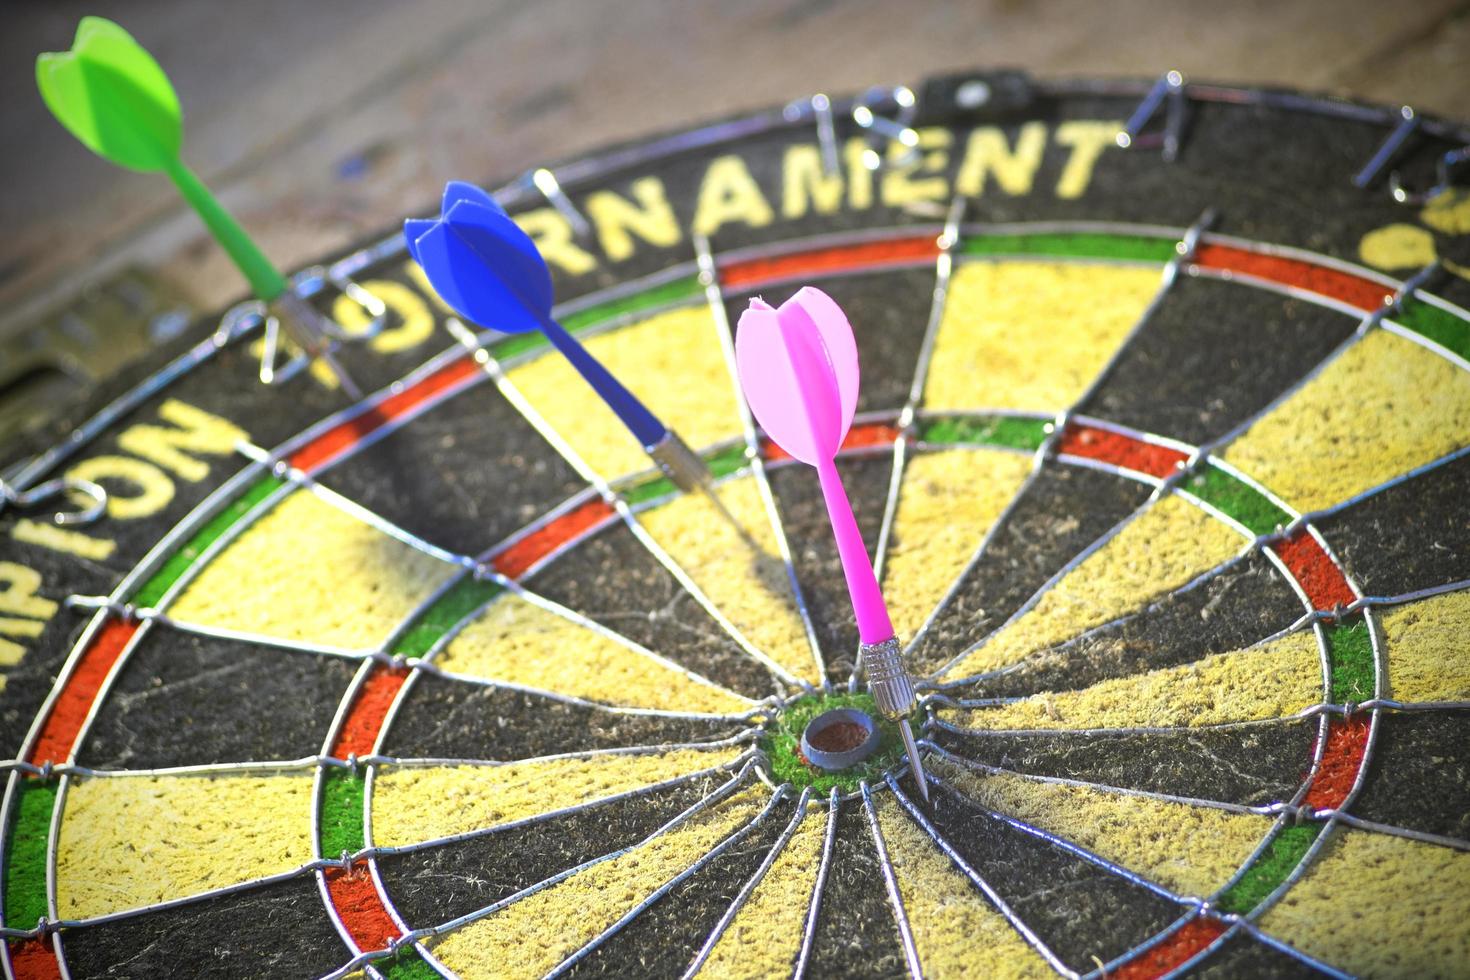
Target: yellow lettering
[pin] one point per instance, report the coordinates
(988, 152)
(198, 431)
(416, 321)
(1088, 139)
(55, 538)
(20, 596)
(553, 236)
(859, 176)
(154, 487)
(21, 627)
(729, 193)
(899, 185)
(10, 655)
(805, 184)
(617, 219)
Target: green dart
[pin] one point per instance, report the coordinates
(112, 96)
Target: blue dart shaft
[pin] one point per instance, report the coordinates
(644, 425)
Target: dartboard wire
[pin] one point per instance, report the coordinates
(546, 816)
(709, 278)
(395, 661)
(324, 863)
(518, 401)
(1062, 843)
(1257, 933)
(418, 935)
(949, 239)
(814, 901)
(1092, 548)
(1366, 325)
(369, 787)
(1360, 777)
(890, 884)
(1319, 752)
(1257, 544)
(724, 845)
(318, 800)
(935, 690)
(481, 569)
(1184, 251)
(978, 881)
(1266, 810)
(750, 886)
(1210, 451)
(984, 769)
(1108, 969)
(374, 759)
(201, 512)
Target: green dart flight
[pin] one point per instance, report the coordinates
(114, 98)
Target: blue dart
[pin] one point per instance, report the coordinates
(490, 272)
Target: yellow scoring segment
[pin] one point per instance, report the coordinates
(517, 642)
(308, 571)
(1190, 850)
(1165, 547)
(1428, 658)
(123, 845)
(414, 804)
(957, 932)
(1031, 336)
(948, 503)
(533, 935)
(1385, 406)
(754, 593)
(1270, 681)
(1376, 905)
(765, 936)
(671, 361)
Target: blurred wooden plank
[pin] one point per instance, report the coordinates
(320, 122)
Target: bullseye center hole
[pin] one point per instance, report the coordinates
(839, 738)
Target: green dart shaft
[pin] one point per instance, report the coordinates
(265, 280)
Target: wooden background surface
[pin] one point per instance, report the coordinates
(321, 121)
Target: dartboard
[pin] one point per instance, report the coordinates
(1160, 455)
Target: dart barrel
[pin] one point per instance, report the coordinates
(679, 463)
(888, 679)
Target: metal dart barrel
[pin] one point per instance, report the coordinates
(893, 693)
(888, 679)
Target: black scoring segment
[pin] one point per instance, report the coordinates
(1244, 602)
(1419, 774)
(855, 892)
(463, 476)
(1242, 955)
(665, 940)
(814, 555)
(434, 884)
(1078, 909)
(1213, 354)
(1410, 536)
(1059, 513)
(442, 718)
(612, 578)
(274, 930)
(184, 699)
(1248, 765)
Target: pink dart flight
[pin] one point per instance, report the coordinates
(798, 368)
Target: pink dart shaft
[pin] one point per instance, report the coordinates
(874, 625)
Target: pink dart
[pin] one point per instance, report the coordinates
(798, 367)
